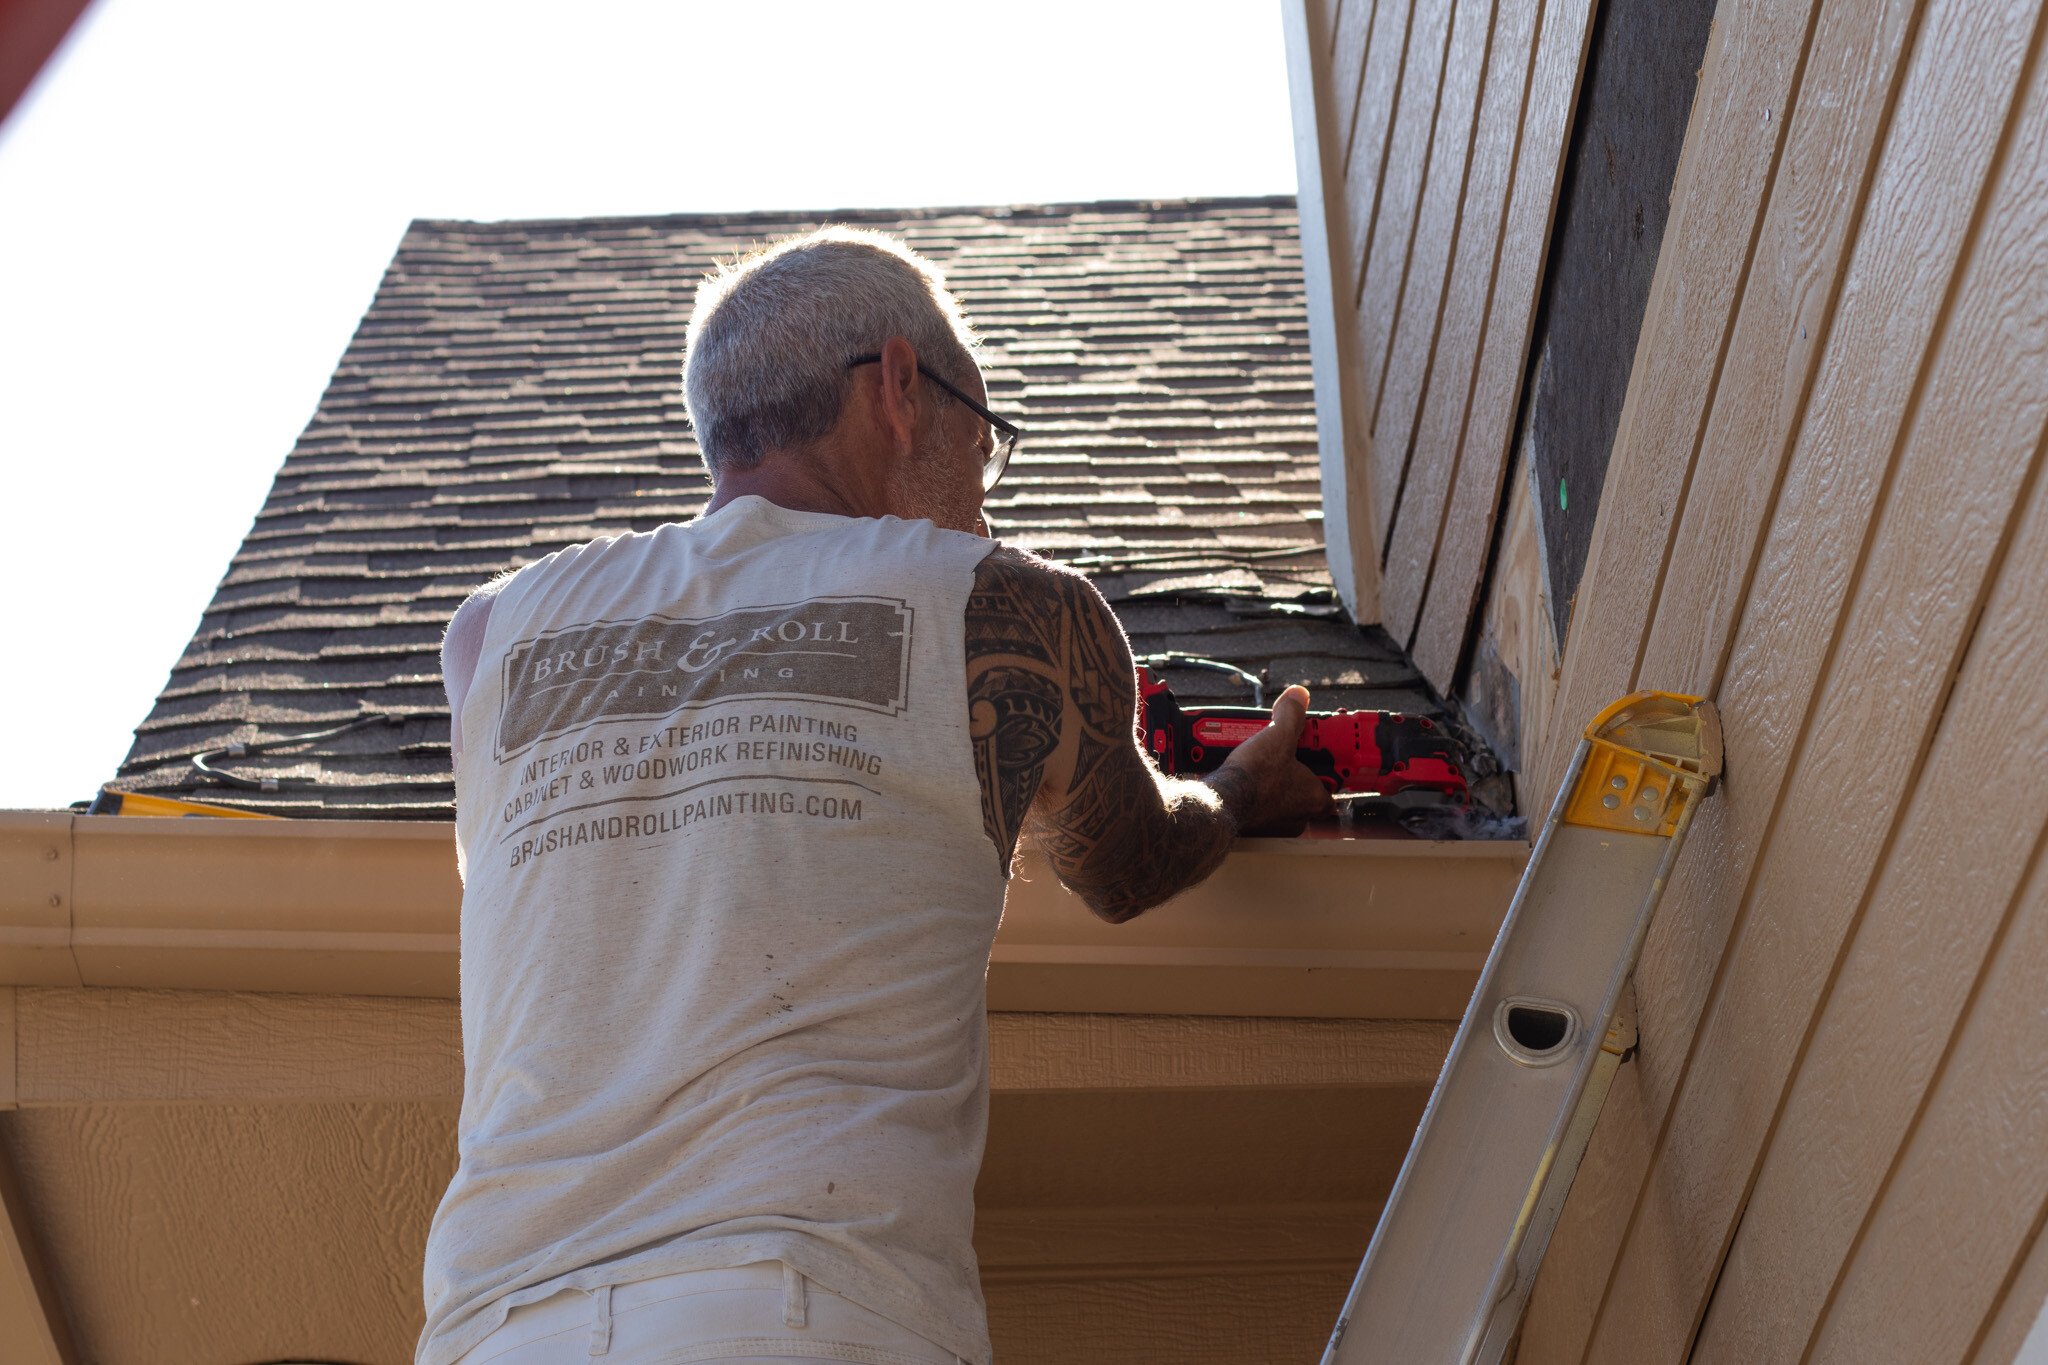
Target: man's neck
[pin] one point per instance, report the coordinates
(839, 488)
(791, 485)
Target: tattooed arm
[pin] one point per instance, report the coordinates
(1052, 702)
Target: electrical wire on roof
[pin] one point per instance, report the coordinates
(1116, 563)
(1316, 600)
(1174, 659)
(203, 761)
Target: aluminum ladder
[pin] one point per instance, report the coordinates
(1455, 1255)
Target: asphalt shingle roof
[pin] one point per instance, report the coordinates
(515, 387)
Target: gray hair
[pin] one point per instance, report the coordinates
(766, 360)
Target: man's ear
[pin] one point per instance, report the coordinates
(900, 404)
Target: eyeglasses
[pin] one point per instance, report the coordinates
(1003, 432)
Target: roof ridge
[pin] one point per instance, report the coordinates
(890, 215)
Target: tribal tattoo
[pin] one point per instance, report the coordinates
(1014, 699)
(1052, 698)
(1013, 717)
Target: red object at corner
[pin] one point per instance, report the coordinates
(1410, 762)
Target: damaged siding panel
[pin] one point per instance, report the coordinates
(1832, 1142)
(1508, 685)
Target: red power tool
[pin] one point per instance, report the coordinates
(1382, 761)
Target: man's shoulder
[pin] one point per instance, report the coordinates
(477, 606)
(1024, 605)
(1008, 577)
(471, 613)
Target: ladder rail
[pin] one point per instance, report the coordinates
(1451, 1263)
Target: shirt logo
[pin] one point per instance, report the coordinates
(843, 651)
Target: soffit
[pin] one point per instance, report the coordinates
(251, 1177)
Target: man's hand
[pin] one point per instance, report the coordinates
(1264, 786)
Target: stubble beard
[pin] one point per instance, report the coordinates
(926, 485)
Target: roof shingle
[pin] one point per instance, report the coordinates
(515, 387)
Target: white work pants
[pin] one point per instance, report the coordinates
(761, 1314)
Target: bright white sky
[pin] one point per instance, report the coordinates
(198, 198)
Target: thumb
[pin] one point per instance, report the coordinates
(1290, 712)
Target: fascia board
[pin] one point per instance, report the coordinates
(1329, 928)
(1336, 928)
(1349, 541)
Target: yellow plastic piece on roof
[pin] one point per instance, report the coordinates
(113, 802)
(1652, 753)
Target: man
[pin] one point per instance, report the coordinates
(736, 804)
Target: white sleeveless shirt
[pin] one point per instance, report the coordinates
(727, 909)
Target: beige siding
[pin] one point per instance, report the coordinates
(1824, 510)
(1157, 1190)
(1444, 125)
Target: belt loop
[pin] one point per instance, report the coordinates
(795, 1310)
(601, 1321)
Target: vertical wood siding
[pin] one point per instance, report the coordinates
(1824, 508)
(1448, 121)
(1450, 580)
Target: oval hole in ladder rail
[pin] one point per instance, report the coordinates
(1535, 1032)
(1538, 1029)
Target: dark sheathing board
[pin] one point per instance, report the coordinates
(515, 387)
(1635, 97)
